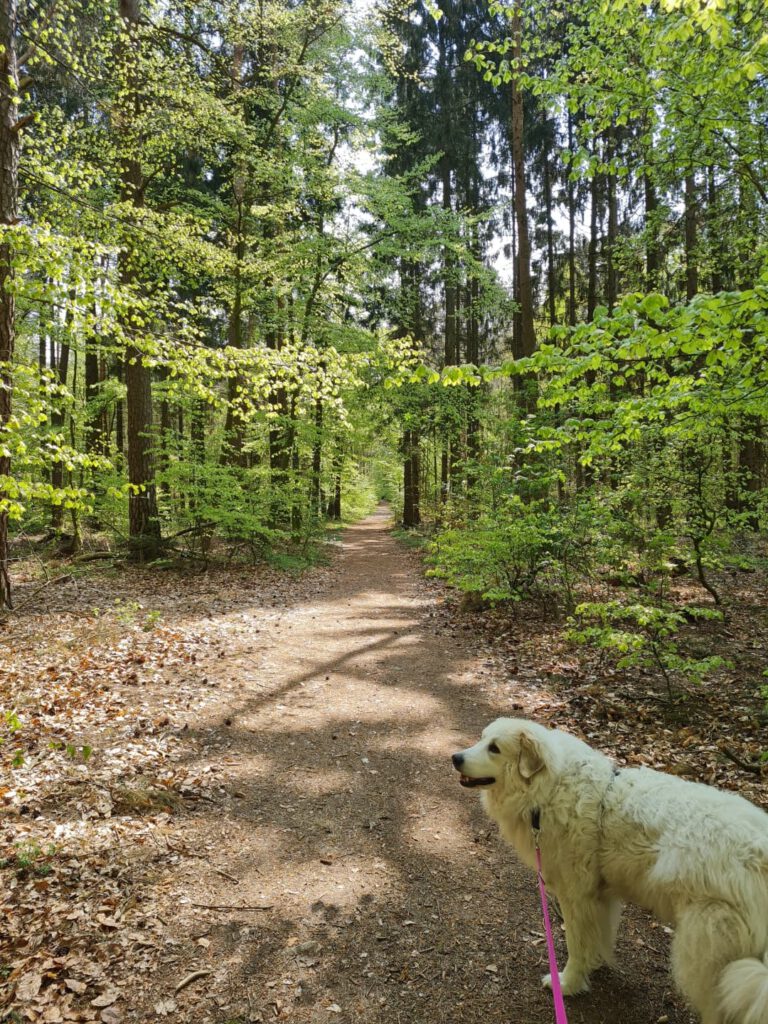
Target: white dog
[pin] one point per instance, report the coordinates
(694, 856)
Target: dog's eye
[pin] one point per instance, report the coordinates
(493, 748)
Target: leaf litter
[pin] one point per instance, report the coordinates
(192, 827)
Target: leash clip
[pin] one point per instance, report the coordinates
(536, 825)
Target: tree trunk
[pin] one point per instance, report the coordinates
(57, 421)
(411, 471)
(691, 255)
(281, 434)
(571, 233)
(315, 505)
(234, 427)
(612, 282)
(473, 356)
(197, 431)
(165, 434)
(594, 204)
(715, 244)
(94, 440)
(334, 505)
(652, 235)
(9, 203)
(450, 352)
(143, 521)
(120, 411)
(551, 286)
(527, 331)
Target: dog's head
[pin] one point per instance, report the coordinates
(511, 753)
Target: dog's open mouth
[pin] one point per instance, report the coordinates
(486, 780)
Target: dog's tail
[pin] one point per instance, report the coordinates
(743, 989)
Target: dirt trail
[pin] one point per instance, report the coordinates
(267, 825)
(375, 890)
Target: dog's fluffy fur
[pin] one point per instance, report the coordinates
(694, 856)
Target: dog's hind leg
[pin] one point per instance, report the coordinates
(708, 936)
(590, 932)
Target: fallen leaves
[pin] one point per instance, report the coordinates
(114, 894)
(28, 987)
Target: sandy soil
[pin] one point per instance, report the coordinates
(336, 870)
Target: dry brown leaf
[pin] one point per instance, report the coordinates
(28, 986)
(106, 998)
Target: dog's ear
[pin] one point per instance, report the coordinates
(530, 760)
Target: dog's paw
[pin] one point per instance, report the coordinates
(570, 985)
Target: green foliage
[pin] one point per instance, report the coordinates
(29, 858)
(644, 636)
(72, 751)
(418, 539)
(130, 613)
(10, 724)
(501, 557)
(290, 311)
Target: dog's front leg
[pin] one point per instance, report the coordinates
(590, 929)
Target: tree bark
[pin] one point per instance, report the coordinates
(594, 204)
(120, 410)
(551, 284)
(143, 521)
(315, 505)
(234, 427)
(691, 241)
(9, 204)
(57, 420)
(473, 356)
(571, 233)
(411, 473)
(713, 219)
(334, 505)
(450, 352)
(527, 331)
(94, 441)
(612, 282)
(652, 262)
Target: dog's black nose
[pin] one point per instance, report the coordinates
(458, 760)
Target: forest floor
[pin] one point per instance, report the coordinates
(229, 797)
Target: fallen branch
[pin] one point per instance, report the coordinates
(748, 766)
(31, 597)
(228, 906)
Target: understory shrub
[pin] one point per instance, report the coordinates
(500, 556)
(644, 636)
(518, 548)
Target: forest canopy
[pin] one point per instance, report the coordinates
(502, 265)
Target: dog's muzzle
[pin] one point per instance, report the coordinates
(467, 780)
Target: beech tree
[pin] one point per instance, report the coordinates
(240, 250)
(10, 127)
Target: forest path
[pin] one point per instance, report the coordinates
(373, 888)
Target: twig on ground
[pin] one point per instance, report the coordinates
(229, 906)
(189, 979)
(224, 874)
(748, 766)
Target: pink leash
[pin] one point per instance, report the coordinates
(557, 993)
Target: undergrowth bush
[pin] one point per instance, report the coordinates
(644, 636)
(518, 549)
(498, 557)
